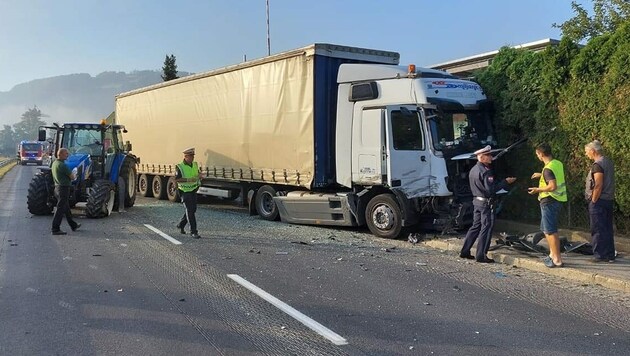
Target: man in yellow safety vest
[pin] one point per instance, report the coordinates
(188, 180)
(552, 191)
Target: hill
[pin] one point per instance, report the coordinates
(73, 97)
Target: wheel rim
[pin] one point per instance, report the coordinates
(172, 189)
(383, 217)
(157, 186)
(143, 185)
(267, 203)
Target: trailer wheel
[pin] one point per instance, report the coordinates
(384, 217)
(158, 187)
(144, 185)
(172, 193)
(265, 206)
(40, 192)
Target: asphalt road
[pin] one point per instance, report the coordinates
(117, 287)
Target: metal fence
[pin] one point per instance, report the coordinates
(6, 161)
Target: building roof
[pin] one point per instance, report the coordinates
(464, 67)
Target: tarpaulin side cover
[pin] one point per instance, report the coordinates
(255, 123)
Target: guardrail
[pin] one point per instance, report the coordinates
(6, 161)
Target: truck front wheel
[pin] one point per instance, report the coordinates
(265, 206)
(384, 217)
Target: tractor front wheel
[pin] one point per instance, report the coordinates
(100, 201)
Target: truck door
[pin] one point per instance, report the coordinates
(408, 167)
(368, 143)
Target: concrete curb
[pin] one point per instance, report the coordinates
(537, 265)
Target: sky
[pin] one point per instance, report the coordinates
(47, 38)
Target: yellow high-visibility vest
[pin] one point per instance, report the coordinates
(188, 172)
(560, 194)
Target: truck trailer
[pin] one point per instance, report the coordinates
(324, 134)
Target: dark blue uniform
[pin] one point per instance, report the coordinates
(484, 185)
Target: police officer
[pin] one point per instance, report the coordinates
(484, 185)
(188, 178)
(62, 176)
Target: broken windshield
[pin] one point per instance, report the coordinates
(451, 129)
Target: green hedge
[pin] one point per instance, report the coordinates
(566, 96)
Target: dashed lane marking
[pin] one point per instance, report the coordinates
(308, 322)
(175, 242)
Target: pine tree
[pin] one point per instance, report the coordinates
(169, 69)
(28, 127)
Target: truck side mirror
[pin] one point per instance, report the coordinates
(127, 146)
(41, 135)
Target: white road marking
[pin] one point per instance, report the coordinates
(308, 322)
(163, 234)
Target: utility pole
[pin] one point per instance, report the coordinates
(268, 38)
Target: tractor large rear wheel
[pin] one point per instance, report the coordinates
(41, 194)
(100, 201)
(129, 174)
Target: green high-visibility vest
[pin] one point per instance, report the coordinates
(560, 194)
(188, 172)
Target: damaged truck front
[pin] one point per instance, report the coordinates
(324, 134)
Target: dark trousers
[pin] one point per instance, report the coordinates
(602, 237)
(190, 203)
(62, 193)
(483, 223)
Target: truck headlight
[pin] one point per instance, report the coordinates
(75, 173)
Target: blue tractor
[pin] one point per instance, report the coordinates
(105, 172)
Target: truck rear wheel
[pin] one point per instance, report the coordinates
(158, 187)
(265, 206)
(40, 192)
(144, 186)
(384, 217)
(100, 201)
(172, 193)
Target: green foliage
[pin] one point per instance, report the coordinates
(169, 69)
(566, 96)
(30, 122)
(608, 15)
(8, 141)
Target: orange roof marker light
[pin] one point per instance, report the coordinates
(411, 71)
(103, 122)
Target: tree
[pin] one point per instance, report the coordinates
(8, 141)
(608, 15)
(29, 125)
(169, 69)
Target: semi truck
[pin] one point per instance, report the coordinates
(325, 134)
